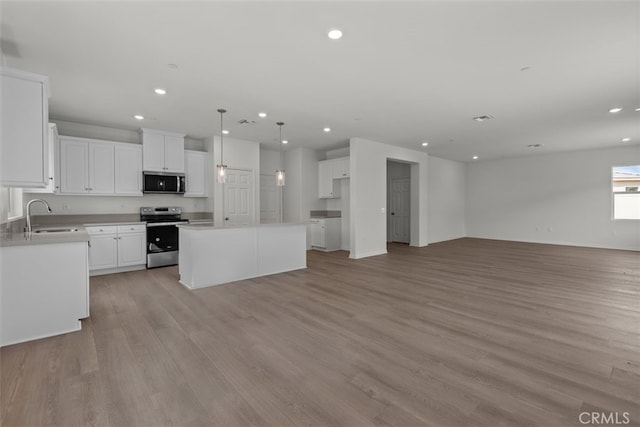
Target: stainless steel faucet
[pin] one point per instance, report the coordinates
(28, 209)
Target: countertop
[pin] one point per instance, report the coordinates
(9, 238)
(16, 237)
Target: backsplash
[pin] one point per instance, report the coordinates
(74, 205)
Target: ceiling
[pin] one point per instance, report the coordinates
(404, 72)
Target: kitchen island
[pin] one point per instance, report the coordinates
(212, 255)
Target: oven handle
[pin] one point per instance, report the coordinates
(162, 224)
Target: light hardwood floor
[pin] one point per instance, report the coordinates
(460, 333)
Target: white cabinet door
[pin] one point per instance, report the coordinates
(128, 169)
(317, 233)
(53, 181)
(173, 154)
(340, 168)
(131, 249)
(162, 151)
(101, 168)
(24, 133)
(74, 168)
(152, 152)
(195, 167)
(103, 252)
(325, 180)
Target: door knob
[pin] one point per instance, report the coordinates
(393, 213)
(226, 219)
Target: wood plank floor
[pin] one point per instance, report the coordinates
(461, 333)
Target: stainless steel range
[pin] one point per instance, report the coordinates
(162, 234)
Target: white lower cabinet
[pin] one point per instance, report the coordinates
(325, 233)
(117, 248)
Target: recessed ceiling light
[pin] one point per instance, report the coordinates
(483, 118)
(284, 141)
(615, 110)
(424, 144)
(638, 109)
(626, 139)
(138, 117)
(327, 129)
(263, 115)
(334, 34)
(475, 157)
(160, 91)
(226, 132)
(173, 66)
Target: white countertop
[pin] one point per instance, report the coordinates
(210, 226)
(21, 238)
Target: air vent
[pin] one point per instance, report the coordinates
(535, 145)
(246, 122)
(483, 118)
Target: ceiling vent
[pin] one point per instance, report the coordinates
(483, 118)
(246, 122)
(535, 145)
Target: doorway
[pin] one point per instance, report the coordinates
(398, 202)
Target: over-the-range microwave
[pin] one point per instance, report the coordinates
(163, 183)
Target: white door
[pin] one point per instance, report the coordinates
(132, 249)
(73, 167)
(238, 197)
(103, 252)
(269, 199)
(173, 154)
(195, 169)
(399, 210)
(101, 168)
(128, 169)
(317, 233)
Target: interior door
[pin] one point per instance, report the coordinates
(269, 199)
(238, 197)
(399, 210)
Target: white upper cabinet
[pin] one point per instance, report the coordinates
(24, 133)
(162, 151)
(195, 167)
(86, 166)
(328, 171)
(340, 168)
(128, 166)
(94, 167)
(53, 185)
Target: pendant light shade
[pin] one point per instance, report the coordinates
(221, 175)
(280, 174)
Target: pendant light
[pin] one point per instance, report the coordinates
(222, 168)
(280, 175)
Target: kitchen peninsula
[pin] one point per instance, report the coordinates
(212, 255)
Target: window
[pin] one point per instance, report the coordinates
(626, 192)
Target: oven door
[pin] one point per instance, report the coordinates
(162, 245)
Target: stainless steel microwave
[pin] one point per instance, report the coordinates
(163, 183)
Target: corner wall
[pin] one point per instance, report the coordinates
(447, 194)
(561, 198)
(368, 165)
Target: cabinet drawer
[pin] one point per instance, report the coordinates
(105, 229)
(132, 228)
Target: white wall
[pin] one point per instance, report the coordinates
(561, 198)
(368, 164)
(447, 196)
(238, 154)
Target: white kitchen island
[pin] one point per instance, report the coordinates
(212, 255)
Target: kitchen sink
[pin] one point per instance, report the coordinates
(55, 230)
